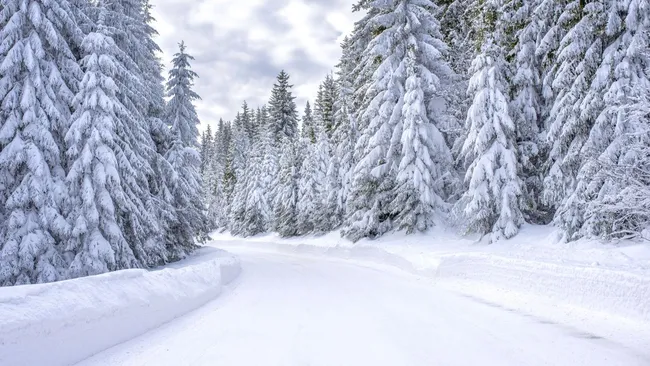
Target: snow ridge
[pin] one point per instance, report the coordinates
(39, 324)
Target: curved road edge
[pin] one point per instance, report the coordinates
(45, 324)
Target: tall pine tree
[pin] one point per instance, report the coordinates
(403, 155)
(282, 110)
(183, 155)
(491, 205)
(39, 75)
(97, 243)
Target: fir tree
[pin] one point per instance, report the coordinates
(621, 209)
(408, 72)
(312, 187)
(282, 109)
(324, 109)
(425, 172)
(525, 30)
(97, 243)
(247, 122)
(285, 212)
(235, 165)
(181, 114)
(578, 57)
(345, 128)
(213, 185)
(184, 157)
(251, 213)
(621, 81)
(145, 229)
(261, 122)
(207, 145)
(160, 178)
(38, 79)
(491, 203)
(308, 131)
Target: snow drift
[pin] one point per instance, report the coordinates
(45, 324)
(613, 292)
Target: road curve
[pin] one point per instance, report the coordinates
(305, 311)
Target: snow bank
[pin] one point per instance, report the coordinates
(619, 293)
(46, 324)
(613, 280)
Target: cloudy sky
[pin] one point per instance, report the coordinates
(241, 46)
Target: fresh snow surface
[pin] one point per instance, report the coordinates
(613, 279)
(65, 322)
(299, 309)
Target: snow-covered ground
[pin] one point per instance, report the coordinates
(610, 278)
(66, 322)
(297, 309)
(402, 300)
(600, 288)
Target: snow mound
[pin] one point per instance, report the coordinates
(45, 324)
(618, 293)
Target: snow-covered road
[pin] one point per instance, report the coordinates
(292, 310)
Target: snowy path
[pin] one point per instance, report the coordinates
(290, 310)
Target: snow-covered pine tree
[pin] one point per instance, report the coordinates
(214, 177)
(151, 64)
(131, 23)
(81, 12)
(210, 176)
(324, 107)
(191, 223)
(622, 207)
(4, 112)
(456, 24)
(345, 132)
(456, 20)
(546, 24)
(270, 166)
(370, 188)
(523, 33)
(409, 72)
(97, 243)
(491, 203)
(235, 166)
(181, 114)
(261, 121)
(573, 113)
(551, 22)
(160, 177)
(250, 212)
(358, 74)
(207, 145)
(361, 73)
(308, 132)
(38, 78)
(247, 121)
(618, 92)
(252, 207)
(285, 214)
(425, 174)
(578, 57)
(146, 229)
(282, 109)
(239, 146)
(330, 216)
(312, 187)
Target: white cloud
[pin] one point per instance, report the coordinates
(240, 46)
